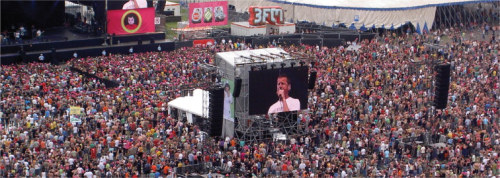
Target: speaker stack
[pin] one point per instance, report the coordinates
(55, 60)
(442, 86)
(216, 109)
(237, 87)
(22, 55)
(312, 80)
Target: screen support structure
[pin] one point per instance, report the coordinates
(261, 128)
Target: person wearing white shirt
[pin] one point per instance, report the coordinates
(41, 58)
(111, 156)
(71, 161)
(101, 166)
(88, 174)
(285, 102)
(343, 174)
(79, 170)
(135, 4)
(302, 166)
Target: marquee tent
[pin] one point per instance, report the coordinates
(192, 105)
(360, 14)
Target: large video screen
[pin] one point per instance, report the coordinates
(277, 90)
(228, 99)
(129, 4)
(121, 22)
(208, 14)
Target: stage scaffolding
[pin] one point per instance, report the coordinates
(261, 128)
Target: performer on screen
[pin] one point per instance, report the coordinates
(285, 102)
(228, 100)
(135, 4)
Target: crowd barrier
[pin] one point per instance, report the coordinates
(108, 83)
(66, 54)
(60, 45)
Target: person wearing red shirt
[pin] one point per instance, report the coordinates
(93, 153)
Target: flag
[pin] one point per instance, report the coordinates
(121, 22)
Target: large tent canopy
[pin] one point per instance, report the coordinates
(380, 5)
(360, 14)
(192, 104)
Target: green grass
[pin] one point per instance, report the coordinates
(168, 27)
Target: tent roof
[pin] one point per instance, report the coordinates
(234, 57)
(191, 104)
(378, 4)
(168, 3)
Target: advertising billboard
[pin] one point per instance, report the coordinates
(208, 14)
(262, 15)
(277, 90)
(122, 22)
(203, 43)
(228, 99)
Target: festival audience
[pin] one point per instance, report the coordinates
(367, 108)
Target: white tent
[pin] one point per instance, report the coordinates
(192, 105)
(359, 14)
(172, 6)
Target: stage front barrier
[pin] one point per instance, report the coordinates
(106, 82)
(65, 55)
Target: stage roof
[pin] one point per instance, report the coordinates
(244, 57)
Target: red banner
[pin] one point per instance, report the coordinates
(203, 43)
(208, 14)
(121, 22)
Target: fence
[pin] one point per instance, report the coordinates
(106, 82)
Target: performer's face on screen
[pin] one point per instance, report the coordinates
(283, 85)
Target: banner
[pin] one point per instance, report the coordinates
(121, 22)
(208, 14)
(203, 43)
(74, 120)
(74, 110)
(262, 15)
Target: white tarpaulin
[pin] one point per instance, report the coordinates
(192, 104)
(359, 14)
(353, 47)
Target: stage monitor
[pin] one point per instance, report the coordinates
(269, 88)
(205, 14)
(122, 22)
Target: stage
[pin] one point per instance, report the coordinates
(65, 41)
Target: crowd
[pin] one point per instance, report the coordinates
(365, 106)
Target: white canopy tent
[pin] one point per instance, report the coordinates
(359, 14)
(192, 105)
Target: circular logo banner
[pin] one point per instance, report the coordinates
(131, 21)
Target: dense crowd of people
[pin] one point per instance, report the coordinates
(366, 106)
